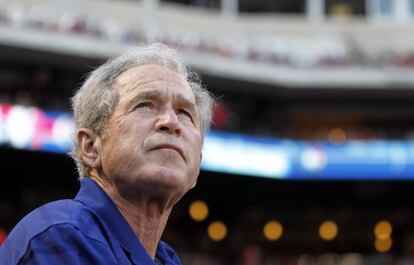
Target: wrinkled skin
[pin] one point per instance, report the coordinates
(152, 142)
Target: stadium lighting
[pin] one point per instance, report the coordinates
(328, 230)
(217, 231)
(383, 230)
(198, 210)
(273, 230)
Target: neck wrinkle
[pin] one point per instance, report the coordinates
(147, 219)
(147, 216)
(147, 222)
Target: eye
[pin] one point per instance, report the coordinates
(144, 105)
(185, 113)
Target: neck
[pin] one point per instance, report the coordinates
(146, 215)
(146, 220)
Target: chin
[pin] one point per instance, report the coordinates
(171, 177)
(166, 179)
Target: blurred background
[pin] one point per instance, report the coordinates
(310, 160)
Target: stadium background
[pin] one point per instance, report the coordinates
(316, 77)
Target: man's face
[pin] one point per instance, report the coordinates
(152, 142)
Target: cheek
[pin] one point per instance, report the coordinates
(130, 133)
(196, 147)
(120, 158)
(123, 145)
(198, 143)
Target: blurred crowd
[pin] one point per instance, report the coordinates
(246, 115)
(251, 114)
(295, 52)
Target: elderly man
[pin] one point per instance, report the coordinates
(140, 120)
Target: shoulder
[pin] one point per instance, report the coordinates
(58, 226)
(70, 212)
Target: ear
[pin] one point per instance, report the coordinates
(88, 146)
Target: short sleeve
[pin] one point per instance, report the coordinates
(64, 244)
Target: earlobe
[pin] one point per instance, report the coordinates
(87, 143)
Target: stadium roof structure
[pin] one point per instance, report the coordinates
(276, 50)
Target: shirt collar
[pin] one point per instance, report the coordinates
(92, 195)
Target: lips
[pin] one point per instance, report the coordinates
(170, 146)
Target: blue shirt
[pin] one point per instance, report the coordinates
(86, 230)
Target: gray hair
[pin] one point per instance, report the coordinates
(97, 98)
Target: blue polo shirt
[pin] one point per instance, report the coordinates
(86, 230)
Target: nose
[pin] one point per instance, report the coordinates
(168, 122)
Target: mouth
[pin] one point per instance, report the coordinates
(171, 147)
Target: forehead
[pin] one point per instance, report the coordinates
(153, 77)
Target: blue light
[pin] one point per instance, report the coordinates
(239, 154)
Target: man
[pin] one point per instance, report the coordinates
(140, 122)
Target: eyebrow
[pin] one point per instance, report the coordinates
(147, 94)
(155, 95)
(186, 103)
